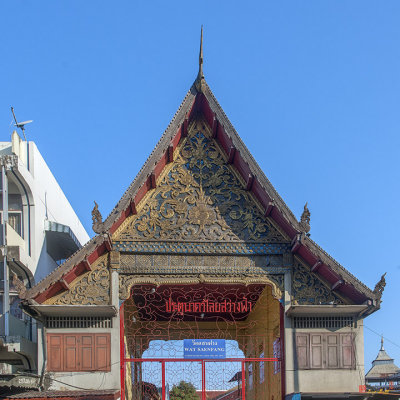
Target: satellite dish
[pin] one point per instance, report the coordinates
(20, 125)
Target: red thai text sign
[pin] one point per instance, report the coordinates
(208, 306)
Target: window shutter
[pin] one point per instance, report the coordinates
(332, 351)
(86, 352)
(316, 351)
(347, 348)
(302, 346)
(102, 352)
(71, 353)
(55, 347)
(79, 352)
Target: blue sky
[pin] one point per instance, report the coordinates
(312, 87)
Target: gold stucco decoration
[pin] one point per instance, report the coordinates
(200, 197)
(308, 289)
(92, 288)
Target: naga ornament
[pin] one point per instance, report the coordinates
(98, 225)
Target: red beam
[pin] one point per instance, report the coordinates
(107, 243)
(184, 128)
(285, 225)
(86, 264)
(132, 206)
(64, 284)
(224, 141)
(170, 154)
(152, 180)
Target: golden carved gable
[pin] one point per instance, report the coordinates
(308, 288)
(91, 288)
(199, 197)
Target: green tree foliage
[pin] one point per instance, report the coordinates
(184, 391)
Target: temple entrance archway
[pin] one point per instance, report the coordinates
(224, 339)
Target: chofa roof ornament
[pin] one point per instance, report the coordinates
(305, 219)
(98, 225)
(379, 288)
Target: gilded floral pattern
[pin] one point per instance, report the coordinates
(200, 199)
(308, 289)
(92, 289)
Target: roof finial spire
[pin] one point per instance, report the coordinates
(382, 343)
(200, 75)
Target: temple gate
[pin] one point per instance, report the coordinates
(201, 279)
(194, 266)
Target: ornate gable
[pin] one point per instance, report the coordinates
(91, 288)
(201, 204)
(199, 197)
(308, 288)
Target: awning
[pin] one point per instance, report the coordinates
(325, 310)
(49, 310)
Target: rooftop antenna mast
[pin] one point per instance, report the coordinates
(20, 125)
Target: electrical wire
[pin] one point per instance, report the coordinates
(67, 384)
(386, 339)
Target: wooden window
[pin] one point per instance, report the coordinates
(302, 345)
(316, 351)
(55, 354)
(332, 351)
(347, 352)
(325, 351)
(78, 352)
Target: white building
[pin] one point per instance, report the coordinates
(39, 229)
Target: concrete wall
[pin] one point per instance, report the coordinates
(324, 380)
(83, 379)
(320, 380)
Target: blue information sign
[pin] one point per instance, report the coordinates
(204, 348)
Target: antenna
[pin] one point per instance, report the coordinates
(20, 125)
